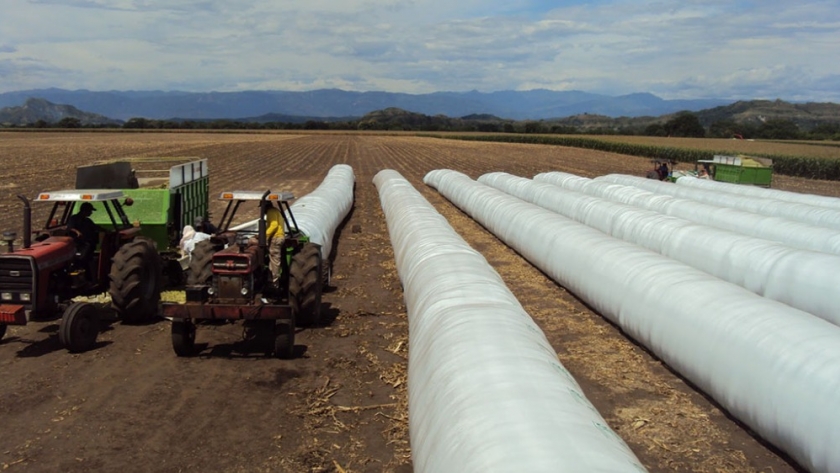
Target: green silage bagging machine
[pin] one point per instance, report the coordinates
(167, 194)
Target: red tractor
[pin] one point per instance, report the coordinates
(229, 279)
(39, 280)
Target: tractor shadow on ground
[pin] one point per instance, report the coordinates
(328, 316)
(259, 347)
(251, 346)
(243, 349)
(37, 348)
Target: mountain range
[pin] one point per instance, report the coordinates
(40, 112)
(516, 105)
(36, 110)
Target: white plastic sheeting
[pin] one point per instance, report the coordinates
(761, 192)
(319, 213)
(775, 368)
(485, 389)
(803, 279)
(819, 216)
(791, 233)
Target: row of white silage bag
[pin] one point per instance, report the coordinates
(791, 233)
(799, 278)
(775, 368)
(486, 391)
(819, 216)
(319, 213)
(761, 192)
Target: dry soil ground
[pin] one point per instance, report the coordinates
(132, 405)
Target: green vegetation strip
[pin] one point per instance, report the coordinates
(797, 166)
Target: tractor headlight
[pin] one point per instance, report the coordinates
(210, 291)
(6, 296)
(26, 297)
(244, 291)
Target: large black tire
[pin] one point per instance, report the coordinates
(305, 284)
(201, 264)
(136, 280)
(183, 337)
(284, 339)
(79, 327)
(2, 331)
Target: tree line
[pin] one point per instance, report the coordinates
(683, 124)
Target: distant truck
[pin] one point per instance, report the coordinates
(739, 169)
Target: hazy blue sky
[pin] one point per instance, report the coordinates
(675, 49)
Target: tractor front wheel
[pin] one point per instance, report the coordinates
(305, 284)
(79, 327)
(201, 264)
(284, 339)
(183, 337)
(136, 278)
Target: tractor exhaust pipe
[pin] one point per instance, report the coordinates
(27, 222)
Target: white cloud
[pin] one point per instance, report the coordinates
(686, 49)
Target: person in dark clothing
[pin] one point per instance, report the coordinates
(663, 171)
(204, 226)
(86, 234)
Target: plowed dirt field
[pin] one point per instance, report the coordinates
(131, 405)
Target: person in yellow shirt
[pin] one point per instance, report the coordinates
(274, 238)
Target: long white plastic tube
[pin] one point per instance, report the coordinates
(319, 213)
(807, 280)
(485, 389)
(818, 216)
(775, 368)
(752, 191)
(791, 233)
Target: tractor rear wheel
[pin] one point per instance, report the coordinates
(653, 175)
(136, 278)
(183, 337)
(284, 339)
(326, 273)
(79, 327)
(305, 284)
(201, 264)
(2, 331)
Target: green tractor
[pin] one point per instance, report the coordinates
(230, 279)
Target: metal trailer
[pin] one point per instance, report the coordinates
(740, 169)
(166, 198)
